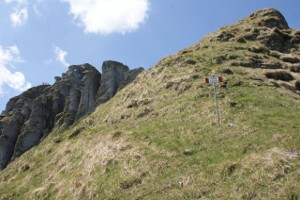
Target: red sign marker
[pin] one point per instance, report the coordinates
(213, 80)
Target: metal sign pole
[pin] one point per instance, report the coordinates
(217, 104)
(215, 80)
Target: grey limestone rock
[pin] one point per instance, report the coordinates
(32, 131)
(115, 75)
(32, 115)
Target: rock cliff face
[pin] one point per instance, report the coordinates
(30, 116)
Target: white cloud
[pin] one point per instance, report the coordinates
(16, 1)
(19, 16)
(22, 9)
(61, 56)
(108, 16)
(15, 80)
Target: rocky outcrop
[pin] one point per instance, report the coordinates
(270, 18)
(271, 29)
(115, 76)
(76, 91)
(31, 116)
(268, 26)
(270, 43)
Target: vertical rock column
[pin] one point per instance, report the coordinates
(115, 75)
(33, 130)
(90, 84)
(10, 129)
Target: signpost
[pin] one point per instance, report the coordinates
(215, 80)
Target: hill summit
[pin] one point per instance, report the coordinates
(157, 137)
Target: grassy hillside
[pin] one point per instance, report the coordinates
(158, 138)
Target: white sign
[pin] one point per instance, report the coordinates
(213, 80)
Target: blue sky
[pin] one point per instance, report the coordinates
(40, 38)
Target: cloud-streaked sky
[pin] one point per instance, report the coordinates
(39, 39)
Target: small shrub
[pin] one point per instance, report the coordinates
(241, 40)
(189, 152)
(297, 85)
(76, 132)
(130, 183)
(249, 195)
(218, 59)
(280, 75)
(295, 68)
(25, 168)
(227, 71)
(57, 140)
(233, 104)
(228, 169)
(294, 196)
(117, 134)
(259, 49)
(224, 36)
(290, 59)
(190, 62)
(275, 54)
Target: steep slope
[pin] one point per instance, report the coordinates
(158, 139)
